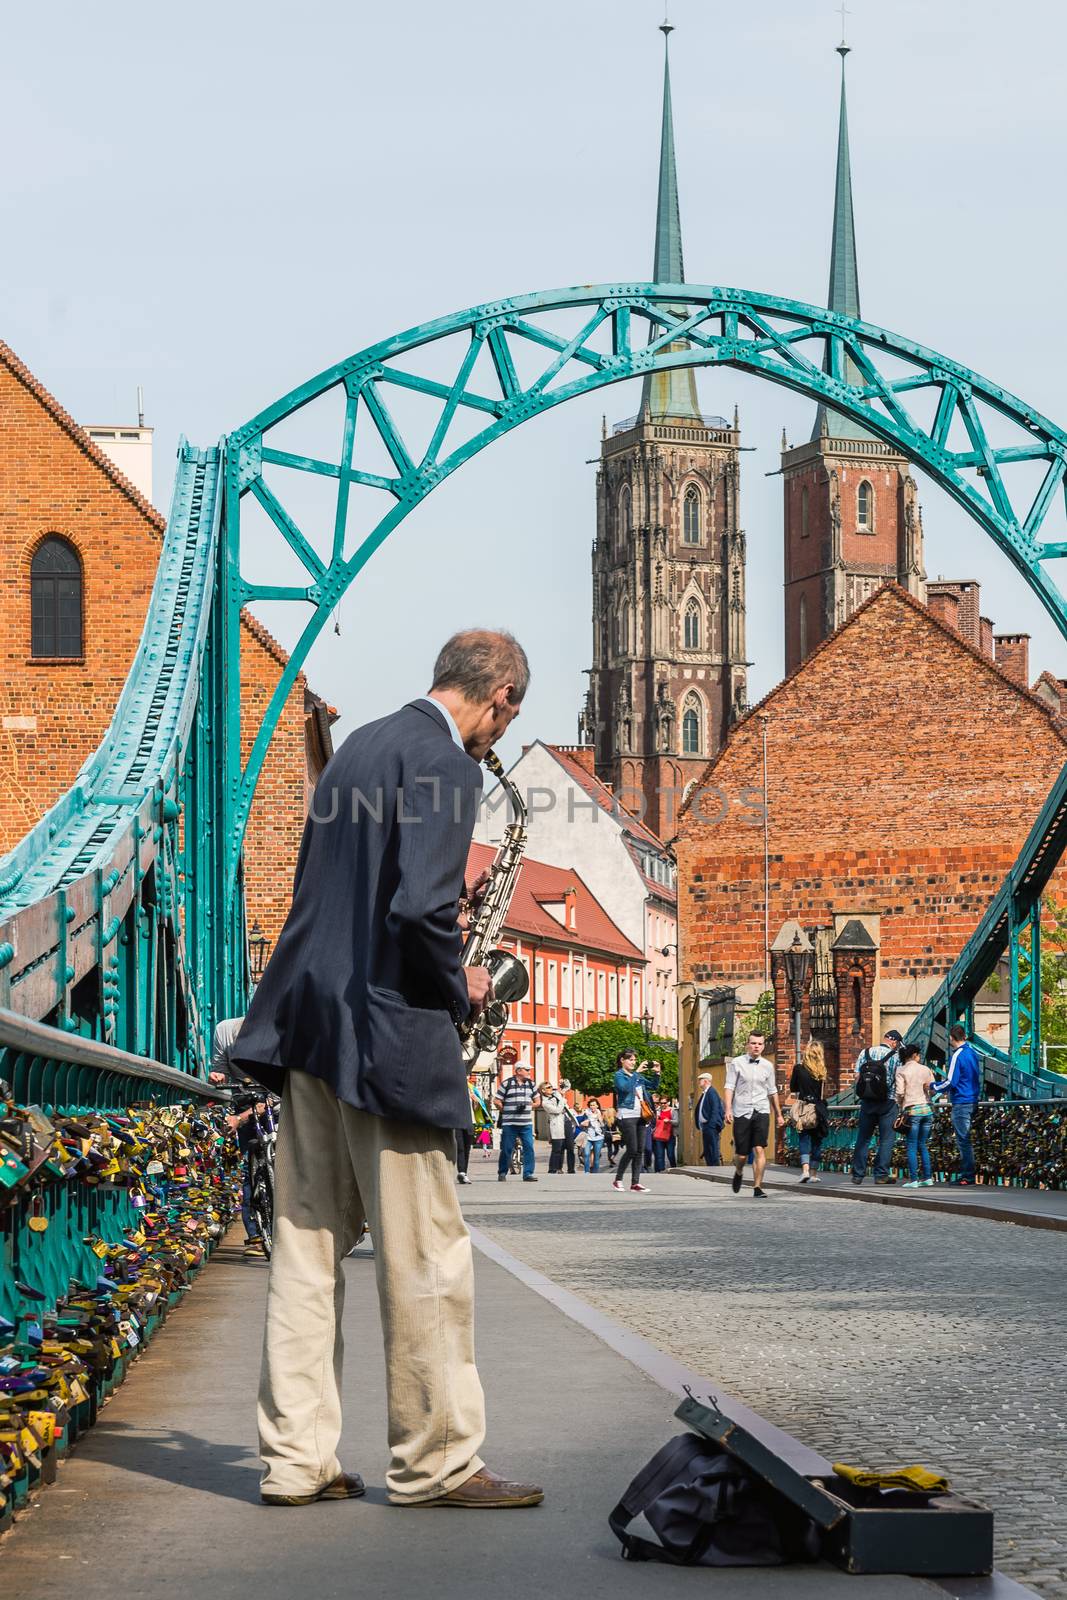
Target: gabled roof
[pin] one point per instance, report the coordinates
(854, 936)
(538, 885)
(87, 446)
(888, 595)
(604, 796)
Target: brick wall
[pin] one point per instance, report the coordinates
(53, 714)
(900, 781)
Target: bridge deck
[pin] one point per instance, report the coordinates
(164, 1492)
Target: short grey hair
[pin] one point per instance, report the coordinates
(477, 661)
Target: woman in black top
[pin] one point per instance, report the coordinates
(808, 1084)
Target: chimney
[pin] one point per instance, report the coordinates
(985, 637)
(945, 605)
(1013, 657)
(570, 901)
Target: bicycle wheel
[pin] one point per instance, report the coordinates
(263, 1206)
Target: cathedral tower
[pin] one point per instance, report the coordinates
(852, 518)
(668, 674)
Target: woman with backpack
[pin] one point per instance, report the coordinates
(913, 1083)
(808, 1111)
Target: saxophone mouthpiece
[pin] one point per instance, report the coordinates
(494, 763)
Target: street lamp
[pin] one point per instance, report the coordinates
(797, 962)
(646, 1024)
(258, 951)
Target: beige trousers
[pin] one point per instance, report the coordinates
(334, 1167)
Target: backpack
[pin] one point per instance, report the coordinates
(872, 1081)
(708, 1510)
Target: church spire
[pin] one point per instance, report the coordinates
(669, 394)
(844, 292)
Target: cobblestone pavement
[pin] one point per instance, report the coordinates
(872, 1334)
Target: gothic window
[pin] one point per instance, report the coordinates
(691, 729)
(692, 626)
(865, 508)
(620, 631)
(804, 512)
(624, 519)
(691, 515)
(802, 621)
(55, 599)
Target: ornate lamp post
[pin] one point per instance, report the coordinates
(258, 951)
(797, 963)
(646, 1024)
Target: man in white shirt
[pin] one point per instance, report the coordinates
(750, 1093)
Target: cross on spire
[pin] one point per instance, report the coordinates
(845, 12)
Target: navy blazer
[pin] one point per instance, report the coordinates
(715, 1112)
(365, 986)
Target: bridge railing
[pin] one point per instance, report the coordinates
(54, 1075)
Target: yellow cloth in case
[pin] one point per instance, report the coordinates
(920, 1480)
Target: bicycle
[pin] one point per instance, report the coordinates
(259, 1157)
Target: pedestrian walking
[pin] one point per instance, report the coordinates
(633, 1095)
(913, 1084)
(808, 1111)
(964, 1088)
(558, 1111)
(751, 1092)
(355, 1022)
(709, 1114)
(663, 1134)
(593, 1122)
(515, 1101)
(570, 1124)
(611, 1133)
(875, 1074)
(464, 1141)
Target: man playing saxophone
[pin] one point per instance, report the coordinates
(355, 1022)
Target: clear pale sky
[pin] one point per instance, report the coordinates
(218, 200)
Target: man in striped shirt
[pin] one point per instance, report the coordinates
(515, 1102)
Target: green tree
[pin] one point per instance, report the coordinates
(588, 1058)
(759, 1020)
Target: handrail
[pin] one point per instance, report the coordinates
(38, 1039)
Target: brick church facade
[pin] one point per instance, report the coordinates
(896, 800)
(103, 537)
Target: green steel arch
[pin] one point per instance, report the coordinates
(521, 356)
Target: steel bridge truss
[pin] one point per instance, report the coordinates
(76, 885)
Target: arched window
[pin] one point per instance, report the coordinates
(620, 631)
(624, 519)
(55, 599)
(691, 515)
(865, 507)
(804, 512)
(692, 626)
(802, 621)
(691, 731)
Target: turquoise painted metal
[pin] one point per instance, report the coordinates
(121, 913)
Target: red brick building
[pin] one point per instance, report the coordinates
(582, 968)
(904, 770)
(67, 511)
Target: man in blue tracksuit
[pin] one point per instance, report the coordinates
(964, 1089)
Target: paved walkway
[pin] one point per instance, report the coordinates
(1029, 1208)
(163, 1495)
(867, 1331)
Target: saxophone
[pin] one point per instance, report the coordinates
(510, 978)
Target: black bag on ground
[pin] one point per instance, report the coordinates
(708, 1510)
(872, 1080)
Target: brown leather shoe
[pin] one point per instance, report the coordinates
(484, 1491)
(346, 1486)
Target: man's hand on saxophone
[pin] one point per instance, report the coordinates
(479, 988)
